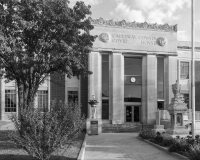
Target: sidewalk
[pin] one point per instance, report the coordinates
(6, 125)
(122, 146)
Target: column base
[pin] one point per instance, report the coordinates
(177, 130)
(117, 122)
(158, 128)
(90, 129)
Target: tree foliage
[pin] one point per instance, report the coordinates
(41, 37)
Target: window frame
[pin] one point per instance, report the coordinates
(73, 95)
(188, 74)
(11, 98)
(43, 96)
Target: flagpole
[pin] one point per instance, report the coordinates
(193, 67)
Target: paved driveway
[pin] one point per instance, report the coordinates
(122, 146)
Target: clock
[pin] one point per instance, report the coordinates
(133, 79)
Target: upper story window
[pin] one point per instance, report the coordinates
(10, 101)
(184, 66)
(105, 75)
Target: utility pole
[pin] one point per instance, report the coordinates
(193, 66)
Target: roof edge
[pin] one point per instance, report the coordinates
(134, 25)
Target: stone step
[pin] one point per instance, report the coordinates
(4, 135)
(115, 128)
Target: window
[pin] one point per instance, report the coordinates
(184, 70)
(105, 86)
(10, 101)
(105, 75)
(43, 99)
(160, 78)
(73, 96)
(132, 70)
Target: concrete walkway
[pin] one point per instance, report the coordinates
(122, 146)
(6, 125)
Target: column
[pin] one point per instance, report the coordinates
(117, 88)
(170, 77)
(149, 89)
(94, 82)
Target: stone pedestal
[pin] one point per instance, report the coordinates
(88, 125)
(177, 130)
(158, 127)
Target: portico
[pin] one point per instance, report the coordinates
(134, 66)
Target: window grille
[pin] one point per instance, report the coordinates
(10, 101)
(72, 96)
(43, 99)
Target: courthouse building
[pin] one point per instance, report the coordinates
(134, 66)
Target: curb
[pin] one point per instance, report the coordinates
(82, 151)
(164, 149)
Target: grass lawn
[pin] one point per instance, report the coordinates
(8, 151)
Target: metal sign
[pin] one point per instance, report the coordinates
(94, 127)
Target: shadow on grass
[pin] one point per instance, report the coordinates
(7, 145)
(26, 157)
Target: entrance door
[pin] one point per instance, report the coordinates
(132, 113)
(136, 113)
(128, 113)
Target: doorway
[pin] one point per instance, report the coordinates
(132, 113)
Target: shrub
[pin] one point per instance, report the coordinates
(180, 145)
(194, 152)
(167, 140)
(147, 135)
(158, 139)
(42, 133)
(175, 147)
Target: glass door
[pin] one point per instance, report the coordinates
(128, 113)
(136, 113)
(132, 114)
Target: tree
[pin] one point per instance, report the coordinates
(39, 38)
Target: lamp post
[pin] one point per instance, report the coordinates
(193, 66)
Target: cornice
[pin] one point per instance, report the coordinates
(134, 25)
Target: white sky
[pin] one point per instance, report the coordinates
(151, 11)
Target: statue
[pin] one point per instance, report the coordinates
(93, 104)
(176, 88)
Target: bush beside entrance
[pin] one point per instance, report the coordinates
(42, 133)
(186, 146)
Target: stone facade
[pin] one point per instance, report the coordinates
(129, 97)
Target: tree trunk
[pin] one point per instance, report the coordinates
(26, 96)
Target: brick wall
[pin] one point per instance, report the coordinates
(57, 87)
(197, 85)
(84, 95)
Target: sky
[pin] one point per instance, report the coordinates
(152, 11)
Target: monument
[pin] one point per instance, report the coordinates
(93, 124)
(176, 109)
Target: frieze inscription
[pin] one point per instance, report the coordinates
(130, 39)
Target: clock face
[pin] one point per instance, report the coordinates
(133, 79)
